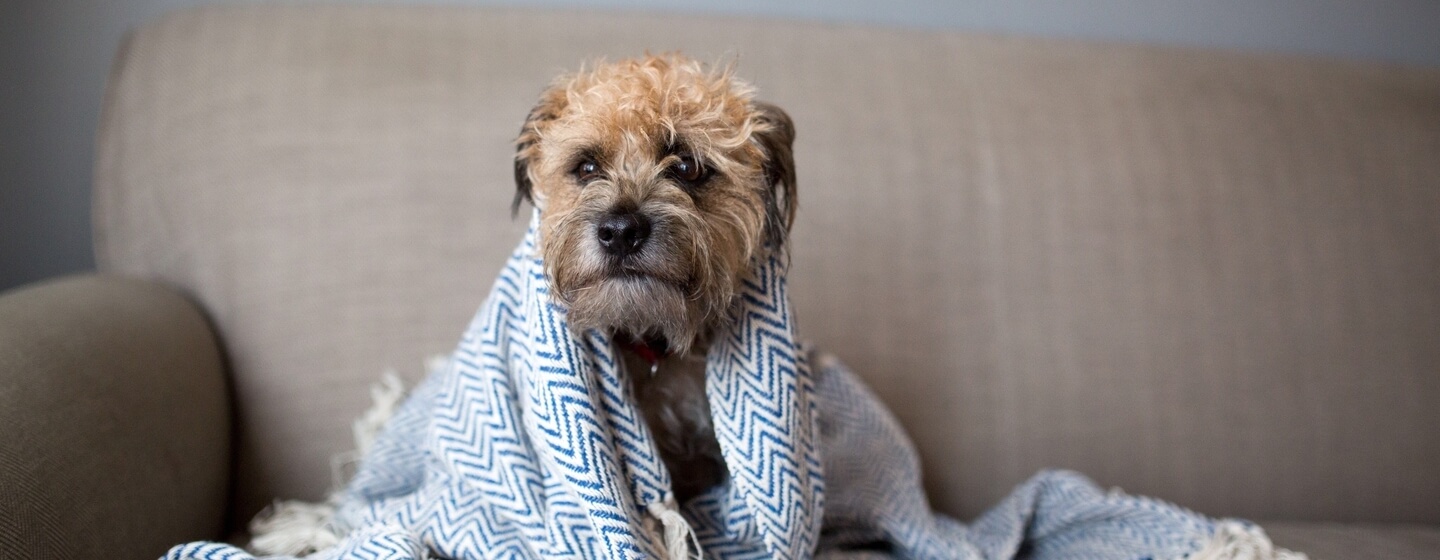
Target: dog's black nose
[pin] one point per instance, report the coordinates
(623, 233)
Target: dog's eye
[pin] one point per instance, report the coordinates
(688, 170)
(586, 171)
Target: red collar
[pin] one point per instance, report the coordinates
(651, 351)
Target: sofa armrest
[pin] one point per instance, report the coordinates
(115, 435)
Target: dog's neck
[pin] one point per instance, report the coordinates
(651, 349)
(669, 389)
(654, 347)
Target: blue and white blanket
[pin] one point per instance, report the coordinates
(526, 444)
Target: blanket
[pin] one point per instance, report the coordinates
(525, 443)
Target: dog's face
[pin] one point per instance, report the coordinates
(657, 182)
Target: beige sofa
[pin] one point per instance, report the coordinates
(1208, 277)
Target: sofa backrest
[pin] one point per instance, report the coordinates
(1209, 277)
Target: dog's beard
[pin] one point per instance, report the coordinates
(641, 306)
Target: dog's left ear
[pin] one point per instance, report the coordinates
(527, 145)
(776, 136)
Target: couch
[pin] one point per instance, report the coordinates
(1210, 277)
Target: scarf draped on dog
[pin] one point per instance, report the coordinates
(526, 444)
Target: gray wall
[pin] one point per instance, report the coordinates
(54, 55)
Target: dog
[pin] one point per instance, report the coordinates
(658, 181)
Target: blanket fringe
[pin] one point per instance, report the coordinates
(293, 528)
(297, 528)
(678, 535)
(1234, 540)
(386, 396)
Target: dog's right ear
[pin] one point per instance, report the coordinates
(527, 145)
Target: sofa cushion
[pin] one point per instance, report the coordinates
(1208, 277)
(1336, 541)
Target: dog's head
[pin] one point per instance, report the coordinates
(658, 181)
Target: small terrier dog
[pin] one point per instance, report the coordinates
(657, 181)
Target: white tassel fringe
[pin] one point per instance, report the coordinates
(297, 528)
(1240, 541)
(678, 537)
(293, 528)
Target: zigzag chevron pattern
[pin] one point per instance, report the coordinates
(206, 551)
(526, 444)
(762, 399)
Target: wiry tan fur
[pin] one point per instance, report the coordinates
(635, 118)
